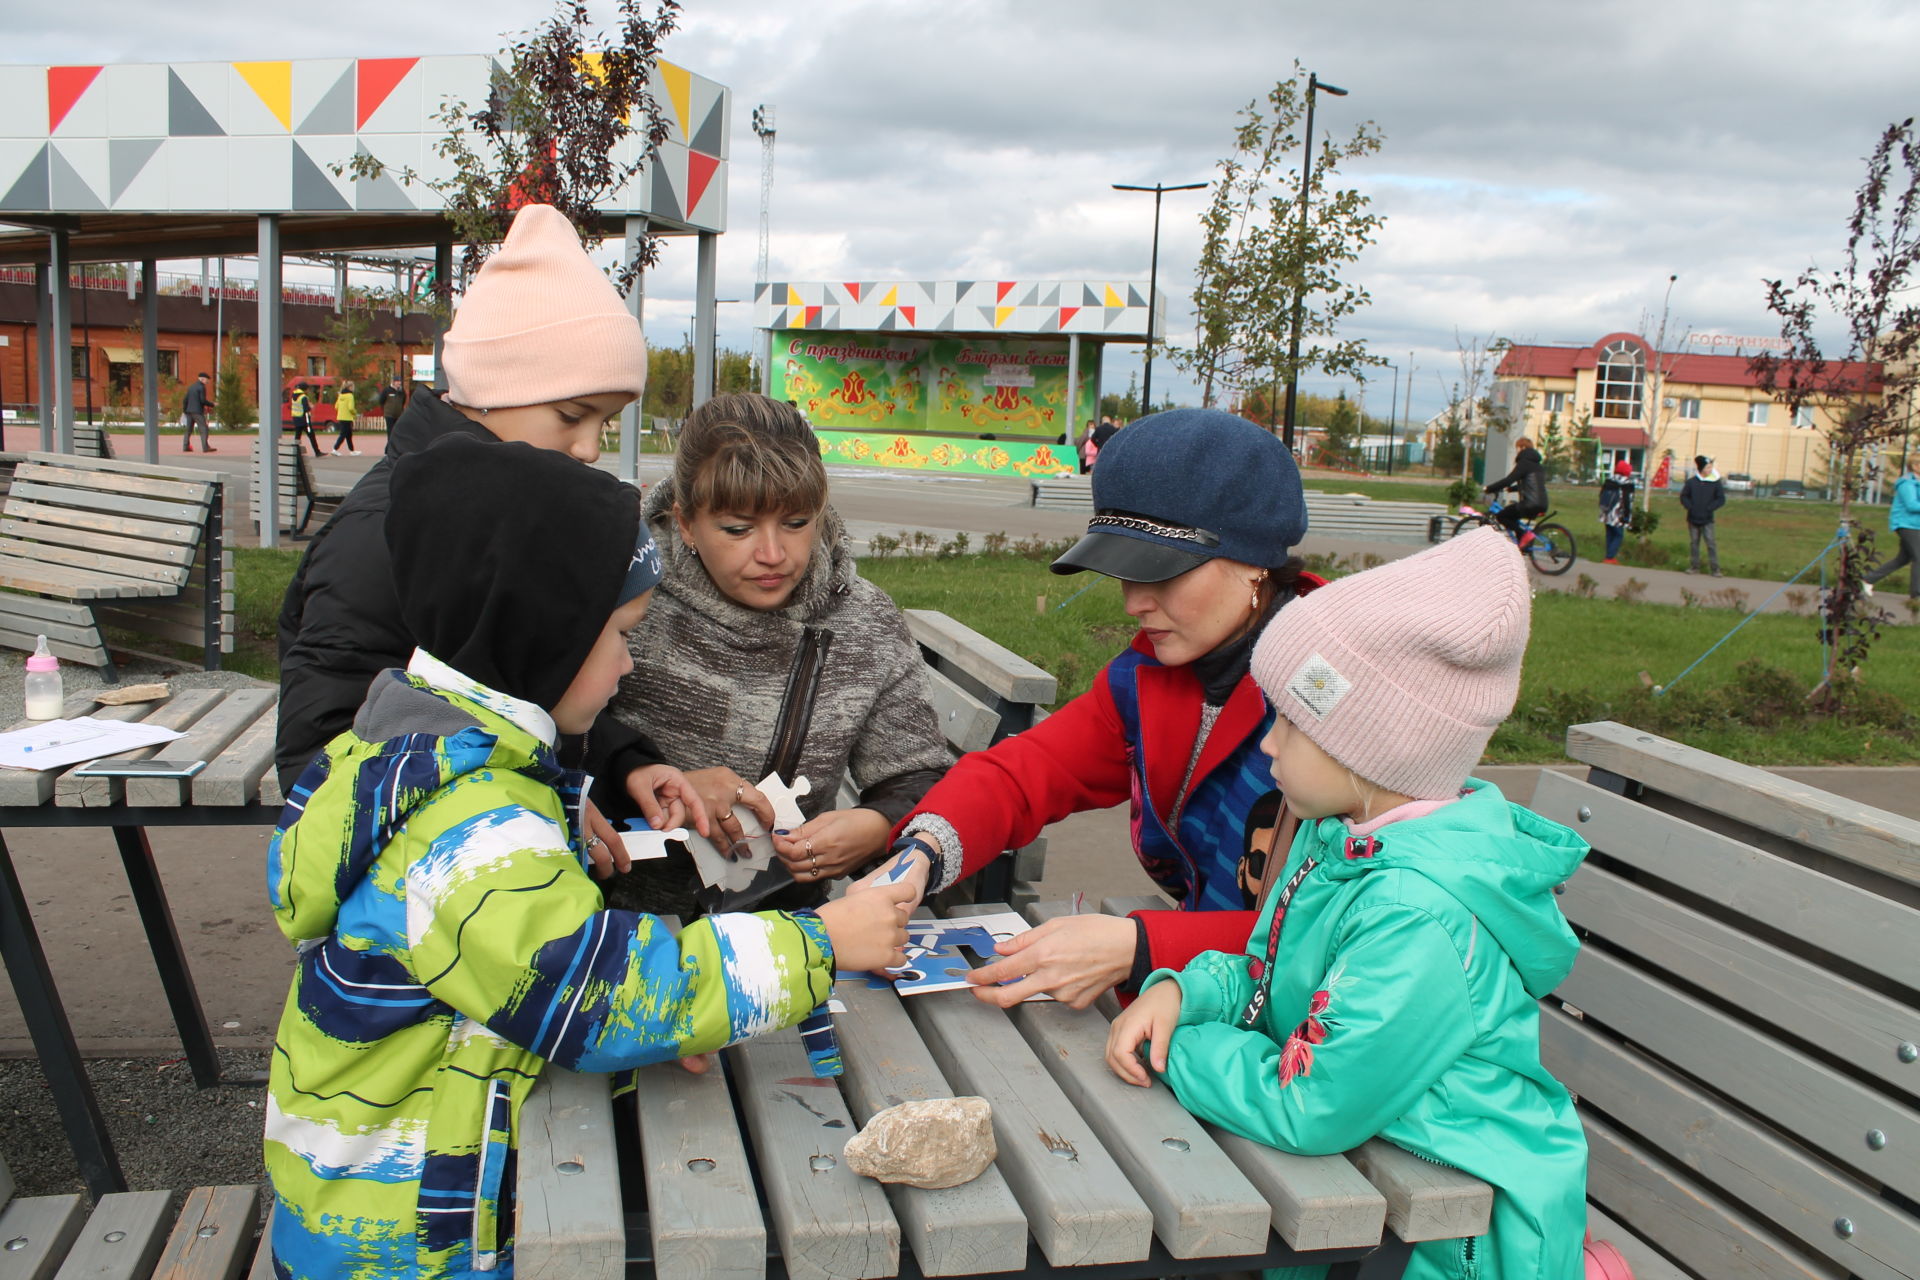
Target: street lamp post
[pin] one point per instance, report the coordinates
(1393, 404)
(1153, 278)
(1314, 89)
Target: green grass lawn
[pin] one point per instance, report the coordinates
(1584, 661)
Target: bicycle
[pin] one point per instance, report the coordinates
(1551, 550)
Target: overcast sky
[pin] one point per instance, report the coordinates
(1546, 167)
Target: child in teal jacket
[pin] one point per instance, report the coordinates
(431, 865)
(1390, 986)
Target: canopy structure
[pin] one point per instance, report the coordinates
(141, 162)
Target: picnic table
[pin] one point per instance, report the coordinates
(232, 730)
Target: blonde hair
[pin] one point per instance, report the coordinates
(747, 454)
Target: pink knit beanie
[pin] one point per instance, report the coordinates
(1403, 672)
(541, 323)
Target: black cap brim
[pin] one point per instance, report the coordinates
(1128, 559)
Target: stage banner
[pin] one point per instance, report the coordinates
(968, 455)
(853, 380)
(1004, 386)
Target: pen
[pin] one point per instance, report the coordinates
(63, 742)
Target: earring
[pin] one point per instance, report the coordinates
(1253, 598)
(695, 551)
(485, 412)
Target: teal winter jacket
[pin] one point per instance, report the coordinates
(1906, 503)
(1404, 1004)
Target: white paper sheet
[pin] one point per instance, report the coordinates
(59, 743)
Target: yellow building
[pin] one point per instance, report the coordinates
(1644, 406)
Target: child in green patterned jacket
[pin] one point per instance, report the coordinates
(431, 867)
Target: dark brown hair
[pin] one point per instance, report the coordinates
(747, 454)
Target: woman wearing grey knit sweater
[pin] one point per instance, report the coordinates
(765, 651)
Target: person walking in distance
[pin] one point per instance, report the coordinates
(300, 408)
(1904, 522)
(393, 402)
(1703, 494)
(1616, 507)
(345, 408)
(194, 412)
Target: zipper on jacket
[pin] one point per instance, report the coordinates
(796, 703)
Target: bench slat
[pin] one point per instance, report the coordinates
(1425, 1201)
(209, 736)
(233, 777)
(570, 1222)
(1858, 833)
(967, 722)
(1202, 1205)
(1800, 1196)
(48, 1225)
(92, 498)
(262, 1268)
(1708, 1235)
(172, 571)
(28, 625)
(1078, 1203)
(178, 552)
(125, 480)
(213, 1239)
(999, 669)
(965, 1230)
(62, 519)
(1802, 998)
(1814, 1103)
(28, 788)
(830, 1221)
(702, 1208)
(1843, 919)
(72, 584)
(139, 1219)
(178, 712)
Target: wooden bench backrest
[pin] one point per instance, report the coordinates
(126, 519)
(293, 481)
(1743, 1025)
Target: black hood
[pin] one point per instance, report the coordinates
(508, 560)
(427, 418)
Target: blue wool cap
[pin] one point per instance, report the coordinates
(1176, 489)
(644, 571)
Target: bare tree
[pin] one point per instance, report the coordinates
(1866, 388)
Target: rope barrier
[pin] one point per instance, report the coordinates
(1660, 690)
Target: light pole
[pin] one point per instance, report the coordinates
(1393, 404)
(1153, 278)
(1314, 88)
(1411, 370)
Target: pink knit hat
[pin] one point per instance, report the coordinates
(1403, 672)
(541, 323)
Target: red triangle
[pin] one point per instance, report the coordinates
(907, 312)
(1006, 287)
(376, 80)
(64, 87)
(853, 289)
(1066, 314)
(813, 318)
(700, 170)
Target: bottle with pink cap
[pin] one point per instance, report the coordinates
(44, 696)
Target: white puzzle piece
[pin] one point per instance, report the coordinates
(644, 843)
(734, 874)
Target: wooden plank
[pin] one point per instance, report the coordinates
(92, 498)
(262, 1268)
(70, 584)
(1425, 1201)
(178, 712)
(1797, 1195)
(1869, 837)
(82, 632)
(133, 618)
(89, 558)
(86, 655)
(967, 722)
(1842, 919)
(210, 735)
(122, 1238)
(13, 605)
(1078, 1203)
(124, 480)
(965, 1230)
(1705, 1233)
(570, 1223)
(233, 776)
(110, 467)
(1814, 1103)
(1646, 1262)
(1799, 997)
(832, 1223)
(123, 526)
(1202, 1206)
(46, 1227)
(702, 1208)
(214, 1238)
(999, 669)
(6, 1181)
(172, 552)
(25, 788)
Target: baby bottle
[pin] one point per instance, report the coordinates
(44, 697)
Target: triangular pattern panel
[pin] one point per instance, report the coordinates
(323, 95)
(78, 169)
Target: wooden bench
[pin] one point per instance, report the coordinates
(92, 441)
(1355, 515)
(297, 491)
(131, 1235)
(87, 544)
(1742, 1028)
(1061, 493)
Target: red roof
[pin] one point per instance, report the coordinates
(1702, 370)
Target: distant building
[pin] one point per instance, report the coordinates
(1707, 404)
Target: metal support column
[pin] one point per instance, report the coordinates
(705, 317)
(150, 355)
(442, 308)
(631, 419)
(176, 980)
(1073, 397)
(43, 339)
(267, 518)
(62, 322)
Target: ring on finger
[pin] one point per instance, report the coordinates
(738, 792)
(593, 842)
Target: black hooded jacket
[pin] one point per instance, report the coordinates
(341, 623)
(1528, 480)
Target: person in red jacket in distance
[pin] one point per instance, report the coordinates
(1196, 513)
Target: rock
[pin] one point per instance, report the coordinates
(131, 693)
(941, 1142)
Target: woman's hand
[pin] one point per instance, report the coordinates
(1071, 958)
(667, 798)
(720, 789)
(835, 844)
(1153, 1018)
(606, 851)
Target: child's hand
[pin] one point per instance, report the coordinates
(605, 850)
(1152, 1017)
(868, 927)
(667, 798)
(918, 871)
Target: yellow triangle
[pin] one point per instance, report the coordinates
(1000, 315)
(1113, 299)
(892, 297)
(273, 82)
(793, 297)
(679, 82)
